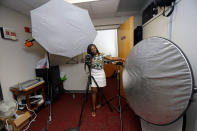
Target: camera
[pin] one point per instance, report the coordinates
(88, 60)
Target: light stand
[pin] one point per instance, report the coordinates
(50, 92)
(119, 96)
(49, 120)
(119, 108)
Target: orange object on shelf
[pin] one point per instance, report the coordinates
(28, 44)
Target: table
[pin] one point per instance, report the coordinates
(27, 92)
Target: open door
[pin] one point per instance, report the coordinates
(125, 43)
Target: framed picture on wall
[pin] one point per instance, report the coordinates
(7, 33)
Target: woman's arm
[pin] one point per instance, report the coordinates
(115, 58)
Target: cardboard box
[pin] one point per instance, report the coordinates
(17, 124)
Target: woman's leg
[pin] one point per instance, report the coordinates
(99, 99)
(94, 93)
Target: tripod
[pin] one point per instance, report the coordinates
(85, 100)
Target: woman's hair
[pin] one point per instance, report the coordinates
(89, 49)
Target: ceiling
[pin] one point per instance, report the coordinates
(97, 9)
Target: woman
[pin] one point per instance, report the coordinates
(98, 73)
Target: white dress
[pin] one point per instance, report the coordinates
(97, 71)
(99, 76)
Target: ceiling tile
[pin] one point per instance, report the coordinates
(105, 6)
(131, 5)
(35, 3)
(86, 6)
(16, 5)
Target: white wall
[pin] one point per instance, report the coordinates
(181, 29)
(16, 62)
(77, 77)
(158, 27)
(184, 34)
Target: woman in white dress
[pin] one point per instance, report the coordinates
(98, 73)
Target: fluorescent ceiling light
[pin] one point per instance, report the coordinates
(79, 1)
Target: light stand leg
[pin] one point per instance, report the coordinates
(50, 106)
(51, 95)
(119, 104)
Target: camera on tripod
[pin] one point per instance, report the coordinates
(88, 60)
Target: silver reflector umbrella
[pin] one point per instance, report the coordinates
(158, 81)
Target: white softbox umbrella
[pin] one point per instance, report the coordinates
(62, 28)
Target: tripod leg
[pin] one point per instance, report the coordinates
(120, 111)
(100, 90)
(84, 101)
(51, 97)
